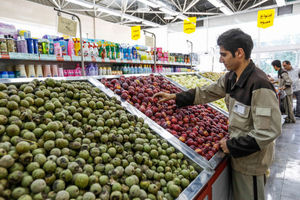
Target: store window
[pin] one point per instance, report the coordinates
(267, 58)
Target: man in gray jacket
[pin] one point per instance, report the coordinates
(285, 83)
(294, 74)
(254, 114)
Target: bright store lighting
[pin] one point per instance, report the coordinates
(280, 2)
(149, 3)
(82, 3)
(226, 10)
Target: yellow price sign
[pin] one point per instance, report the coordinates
(189, 26)
(265, 18)
(135, 32)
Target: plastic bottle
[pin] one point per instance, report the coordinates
(36, 46)
(30, 47)
(85, 49)
(21, 69)
(4, 74)
(60, 72)
(11, 74)
(38, 71)
(45, 44)
(96, 53)
(64, 46)
(66, 73)
(57, 50)
(3, 45)
(54, 71)
(30, 71)
(91, 49)
(71, 51)
(47, 71)
(51, 47)
(22, 45)
(10, 44)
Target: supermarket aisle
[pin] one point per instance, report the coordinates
(284, 180)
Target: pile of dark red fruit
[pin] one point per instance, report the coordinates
(200, 127)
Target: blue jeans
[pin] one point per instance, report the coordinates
(297, 94)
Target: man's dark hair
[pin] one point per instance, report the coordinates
(233, 39)
(276, 63)
(287, 62)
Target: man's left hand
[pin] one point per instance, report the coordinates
(224, 145)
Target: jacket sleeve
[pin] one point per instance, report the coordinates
(287, 80)
(266, 125)
(202, 95)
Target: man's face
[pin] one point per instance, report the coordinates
(286, 66)
(276, 68)
(231, 63)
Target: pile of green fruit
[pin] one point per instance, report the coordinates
(192, 81)
(67, 140)
(214, 76)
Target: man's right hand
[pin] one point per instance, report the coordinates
(164, 96)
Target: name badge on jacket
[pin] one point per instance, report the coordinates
(239, 108)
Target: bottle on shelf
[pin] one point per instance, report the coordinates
(38, 70)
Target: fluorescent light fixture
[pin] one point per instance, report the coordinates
(216, 3)
(280, 2)
(226, 10)
(82, 3)
(168, 17)
(109, 11)
(182, 17)
(168, 11)
(160, 3)
(132, 18)
(149, 3)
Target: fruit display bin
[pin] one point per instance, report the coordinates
(195, 75)
(199, 164)
(213, 160)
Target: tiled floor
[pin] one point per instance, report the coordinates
(284, 180)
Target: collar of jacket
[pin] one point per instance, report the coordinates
(244, 76)
(280, 72)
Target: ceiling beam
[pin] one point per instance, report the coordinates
(257, 4)
(142, 11)
(161, 18)
(191, 5)
(245, 4)
(55, 3)
(231, 5)
(178, 3)
(184, 4)
(179, 8)
(112, 2)
(240, 5)
(201, 13)
(130, 4)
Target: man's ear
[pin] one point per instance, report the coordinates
(240, 53)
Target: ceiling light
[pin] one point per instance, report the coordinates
(168, 11)
(132, 18)
(168, 17)
(280, 2)
(82, 3)
(182, 17)
(149, 3)
(226, 10)
(109, 11)
(216, 3)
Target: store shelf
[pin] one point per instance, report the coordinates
(35, 57)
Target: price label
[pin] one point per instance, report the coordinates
(189, 26)
(265, 18)
(47, 57)
(5, 56)
(118, 60)
(34, 57)
(106, 59)
(112, 61)
(76, 58)
(67, 58)
(59, 58)
(13, 55)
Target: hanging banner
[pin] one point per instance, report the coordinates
(135, 32)
(189, 26)
(265, 18)
(67, 26)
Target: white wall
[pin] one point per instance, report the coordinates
(41, 20)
